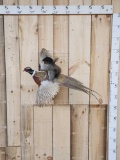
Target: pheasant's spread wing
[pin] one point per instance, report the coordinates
(46, 92)
(45, 57)
(45, 53)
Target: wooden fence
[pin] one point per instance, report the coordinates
(75, 127)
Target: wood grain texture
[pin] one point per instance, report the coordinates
(3, 111)
(13, 153)
(61, 132)
(116, 6)
(80, 2)
(79, 55)
(28, 32)
(10, 2)
(2, 154)
(61, 48)
(12, 78)
(79, 132)
(76, 2)
(45, 29)
(42, 132)
(97, 133)
(3, 124)
(100, 56)
(101, 2)
(87, 2)
(27, 132)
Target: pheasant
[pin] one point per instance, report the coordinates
(48, 89)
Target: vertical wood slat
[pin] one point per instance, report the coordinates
(76, 2)
(13, 153)
(2, 153)
(116, 6)
(27, 132)
(61, 48)
(87, 2)
(12, 78)
(61, 132)
(42, 132)
(45, 29)
(79, 55)
(79, 132)
(3, 111)
(97, 132)
(100, 56)
(101, 2)
(28, 32)
(3, 123)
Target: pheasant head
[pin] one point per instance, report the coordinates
(29, 70)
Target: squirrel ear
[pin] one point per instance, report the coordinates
(48, 59)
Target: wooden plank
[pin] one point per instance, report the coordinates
(79, 55)
(12, 78)
(2, 154)
(3, 123)
(116, 6)
(3, 111)
(61, 48)
(43, 132)
(100, 55)
(13, 153)
(87, 2)
(27, 132)
(76, 2)
(79, 132)
(118, 118)
(28, 31)
(101, 2)
(80, 2)
(97, 133)
(45, 28)
(61, 132)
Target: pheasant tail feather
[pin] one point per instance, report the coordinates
(72, 83)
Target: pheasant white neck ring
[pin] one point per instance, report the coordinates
(33, 73)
